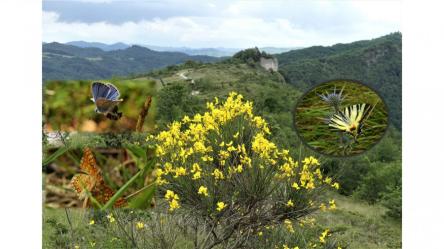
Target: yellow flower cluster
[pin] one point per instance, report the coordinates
(223, 144)
(220, 206)
(173, 200)
(323, 236)
(203, 191)
(185, 149)
(289, 225)
(140, 225)
(111, 218)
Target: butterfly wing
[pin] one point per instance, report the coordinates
(89, 166)
(351, 118)
(99, 90)
(105, 96)
(93, 181)
(113, 93)
(80, 182)
(340, 121)
(365, 111)
(103, 194)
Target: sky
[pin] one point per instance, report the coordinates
(225, 23)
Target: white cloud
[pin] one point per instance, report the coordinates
(241, 24)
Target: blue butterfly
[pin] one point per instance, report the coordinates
(106, 97)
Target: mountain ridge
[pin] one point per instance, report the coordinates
(65, 62)
(209, 51)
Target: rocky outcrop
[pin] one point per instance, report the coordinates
(269, 63)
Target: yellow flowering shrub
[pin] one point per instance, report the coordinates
(221, 167)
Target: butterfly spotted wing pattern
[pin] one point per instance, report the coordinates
(92, 181)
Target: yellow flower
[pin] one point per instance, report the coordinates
(92, 243)
(289, 225)
(231, 148)
(174, 204)
(236, 135)
(207, 158)
(110, 218)
(203, 191)
(224, 154)
(140, 225)
(323, 235)
(260, 233)
(239, 168)
(290, 203)
(218, 175)
(199, 147)
(335, 185)
(186, 119)
(295, 185)
(170, 195)
(195, 168)
(327, 180)
(323, 207)
(220, 206)
(181, 171)
(76, 247)
(91, 222)
(310, 185)
(286, 247)
(332, 205)
(197, 175)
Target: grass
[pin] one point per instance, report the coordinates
(311, 112)
(355, 224)
(361, 225)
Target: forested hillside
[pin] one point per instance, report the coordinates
(375, 62)
(65, 62)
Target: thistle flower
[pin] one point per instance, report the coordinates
(334, 99)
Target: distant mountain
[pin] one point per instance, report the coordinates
(103, 46)
(215, 52)
(64, 62)
(375, 62)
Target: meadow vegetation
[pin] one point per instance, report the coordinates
(367, 206)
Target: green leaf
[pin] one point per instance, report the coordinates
(121, 191)
(143, 199)
(138, 154)
(60, 151)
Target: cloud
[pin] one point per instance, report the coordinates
(227, 24)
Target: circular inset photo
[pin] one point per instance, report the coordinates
(341, 118)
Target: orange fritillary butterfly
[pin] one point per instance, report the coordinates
(92, 181)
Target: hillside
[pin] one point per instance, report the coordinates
(375, 62)
(64, 62)
(185, 89)
(215, 52)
